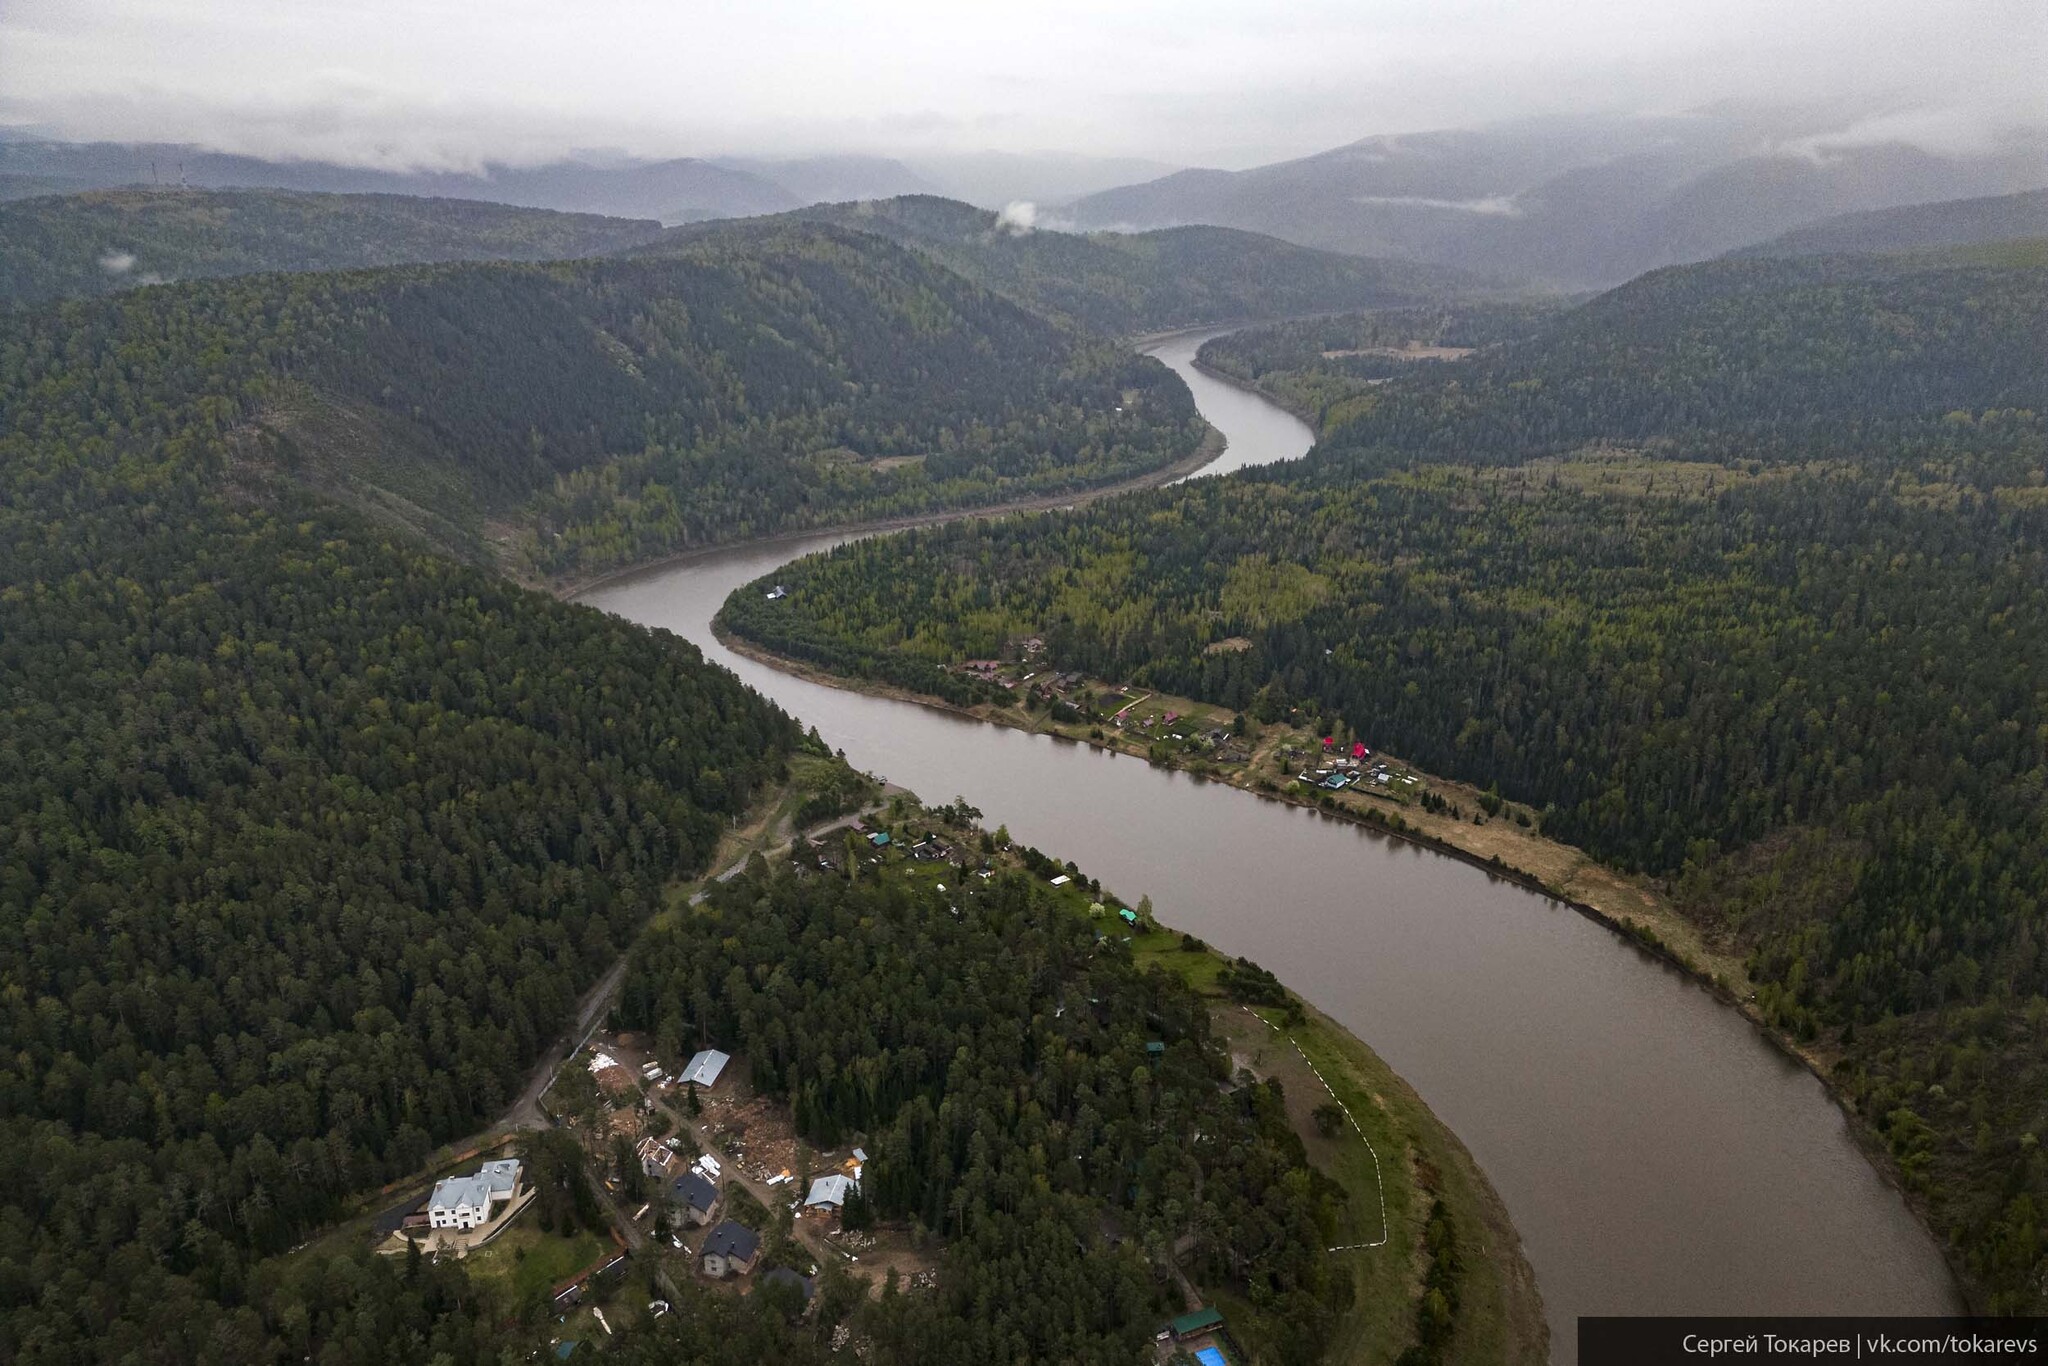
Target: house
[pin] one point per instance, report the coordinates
(658, 1160)
(730, 1250)
(467, 1201)
(1128, 916)
(880, 839)
(695, 1198)
(777, 593)
(1194, 1323)
(1062, 880)
(782, 1275)
(829, 1192)
(704, 1069)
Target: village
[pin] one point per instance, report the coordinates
(1295, 757)
(699, 1178)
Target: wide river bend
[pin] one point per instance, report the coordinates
(1657, 1153)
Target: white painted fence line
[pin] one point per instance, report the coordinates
(1379, 1180)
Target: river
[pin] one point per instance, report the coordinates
(1658, 1155)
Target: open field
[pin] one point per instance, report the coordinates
(1411, 1159)
(525, 1261)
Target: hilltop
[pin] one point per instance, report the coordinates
(1917, 227)
(1123, 284)
(102, 241)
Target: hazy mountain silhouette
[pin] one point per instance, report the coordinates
(1578, 201)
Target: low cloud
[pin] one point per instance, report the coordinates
(1493, 206)
(1958, 131)
(1018, 217)
(117, 262)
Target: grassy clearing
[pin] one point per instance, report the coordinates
(1500, 1318)
(525, 1262)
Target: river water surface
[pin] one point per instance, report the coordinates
(1657, 1154)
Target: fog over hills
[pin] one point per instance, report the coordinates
(1581, 201)
(1917, 227)
(1126, 283)
(676, 190)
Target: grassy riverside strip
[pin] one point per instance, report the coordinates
(1630, 905)
(1499, 1316)
(1501, 846)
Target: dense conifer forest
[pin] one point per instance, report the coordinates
(103, 241)
(581, 416)
(1737, 573)
(312, 839)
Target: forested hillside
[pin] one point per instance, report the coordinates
(1737, 573)
(312, 837)
(601, 413)
(1127, 283)
(1317, 366)
(61, 246)
(1917, 227)
(993, 1049)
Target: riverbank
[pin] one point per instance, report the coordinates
(1635, 908)
(1563, 872)
(569, 589)
(1395, 1158)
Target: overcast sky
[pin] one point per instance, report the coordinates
(1194, 82)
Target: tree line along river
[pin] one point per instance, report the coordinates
(1657, 1153)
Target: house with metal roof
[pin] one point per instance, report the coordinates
(730, 1250)
(704, 1069)
(1195, 1322)
(829, 1192)
(468, 1201)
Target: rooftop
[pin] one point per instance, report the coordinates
(693, 1190)
(475, 1190)
(829, 1190)
(704, 1068)
(782, 1275)
(732, 1240)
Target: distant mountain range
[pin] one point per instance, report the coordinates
(683, 190)
(103, 241)
(1917, 227)
(1573, 203)
(991, 180)
(1124, 283)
